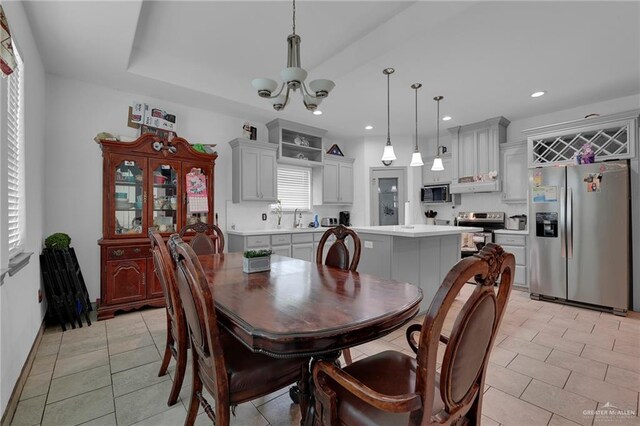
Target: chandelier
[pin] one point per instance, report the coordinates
(293, 77)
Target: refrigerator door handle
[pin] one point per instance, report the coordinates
(563, 240)
(570, 223)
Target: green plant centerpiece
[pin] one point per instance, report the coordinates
(256, 261)
(58, 240)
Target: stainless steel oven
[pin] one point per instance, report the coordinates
(472, 243)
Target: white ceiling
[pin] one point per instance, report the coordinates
(485, 58)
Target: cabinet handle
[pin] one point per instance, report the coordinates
(117, 253)
(136, 250)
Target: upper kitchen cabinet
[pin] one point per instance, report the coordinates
(254, 175)
(298, 144)
(475, 153)
(333, 183)
(514, 172)
(430, 177)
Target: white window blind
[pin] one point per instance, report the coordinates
(15, 158)
(294, 188)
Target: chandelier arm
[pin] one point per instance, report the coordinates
(307, 92)
(286, 97)
(277, 94)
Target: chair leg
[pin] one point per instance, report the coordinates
(166, 359)
(181, 367)
(346, 353)
(196, 387)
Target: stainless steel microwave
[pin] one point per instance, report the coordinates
(435, 194)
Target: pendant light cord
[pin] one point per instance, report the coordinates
(416, 119)
(388, 114)
(438, 130)
(294, 17)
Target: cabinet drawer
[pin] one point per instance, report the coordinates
(511, 240)
(281, 239)
(258, 241)
(128, 252)
(317, 236)
(519, 252)
(302, 238)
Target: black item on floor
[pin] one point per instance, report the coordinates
(64, 286)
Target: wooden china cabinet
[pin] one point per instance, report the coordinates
(145, 185)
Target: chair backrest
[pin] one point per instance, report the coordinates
(338, 254)
(199, 308)
(164, 270)
(473, 333)
(207, 240)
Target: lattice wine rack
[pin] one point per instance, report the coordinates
(609, 139)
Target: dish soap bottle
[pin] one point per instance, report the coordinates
(316, 224)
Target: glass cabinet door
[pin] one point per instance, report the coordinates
(129, 195)
(165, 200)
(197, 210)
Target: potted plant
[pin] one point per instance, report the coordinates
(256, 261)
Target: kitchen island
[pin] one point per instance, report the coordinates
(422, 254)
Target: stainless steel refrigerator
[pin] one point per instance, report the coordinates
(579, 234)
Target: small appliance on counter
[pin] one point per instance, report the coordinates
(435, 194)
(345, 218)
(329, 221)
(517, 222)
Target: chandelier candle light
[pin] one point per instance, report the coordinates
(293, 77)
(416, 158)
(388, 155)
(437, 162)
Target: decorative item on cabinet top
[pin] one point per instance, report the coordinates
(298, 144)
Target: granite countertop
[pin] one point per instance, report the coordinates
(416, 231)
(511, 231)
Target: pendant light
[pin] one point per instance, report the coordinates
(437, 162)
(416, 158)
(388, 155)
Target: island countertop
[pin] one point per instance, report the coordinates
(417, 231)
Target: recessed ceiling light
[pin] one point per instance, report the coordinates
(538, 94)
(369, 127)
(446, 118)
(317, 112)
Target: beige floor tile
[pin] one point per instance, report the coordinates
(108, 420)
(608, 321)
(273, 395)
(582, 365)
(558, 313)
(76, 363)
(36, 385)
(486, 421)
(139, 405)
(506, 380)
(614, 416)
(624, 378)
(79, 383)
(525, 347)
(567, 404)
(628, 334)
(540, 370)
(29, 411)
(627, 347)
(599, 339)
(84, 333)
(558, 342)
(585, 326)
(501, 356)
(281, 411)
(125, 360)
(630, 325)
(557, 420)
(137, 378)
(79, 409)
(82, 346)
(519, 332)
(43, 364)
(604, 392)
(48, 348)
(628, 362)
(546, 327)
(173, 416)
(127, 343)
(508, 410)
(377, 346)
(589, 316)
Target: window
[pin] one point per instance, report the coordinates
(15, 158)
(294, 188)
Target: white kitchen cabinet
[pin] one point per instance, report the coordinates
(282, 250)
(254, 171)
(303, 251)
(514, 172)
(515, 244)
(333, 182)
(298, 144)
(430, 177)
(475, 152)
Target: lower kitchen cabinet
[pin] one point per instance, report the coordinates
(303, 252)
(517, 245)
(282, 250)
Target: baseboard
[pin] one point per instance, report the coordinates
(9, 412)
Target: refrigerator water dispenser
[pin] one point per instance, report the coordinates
(547, 225)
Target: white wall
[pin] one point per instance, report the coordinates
(20, 312)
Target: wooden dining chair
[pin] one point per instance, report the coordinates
(338, 257)
(229, 371)
(392, 388)
(208, 239)
(177, 337)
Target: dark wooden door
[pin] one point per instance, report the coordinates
(126, 280)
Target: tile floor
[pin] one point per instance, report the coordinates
(551, 365)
